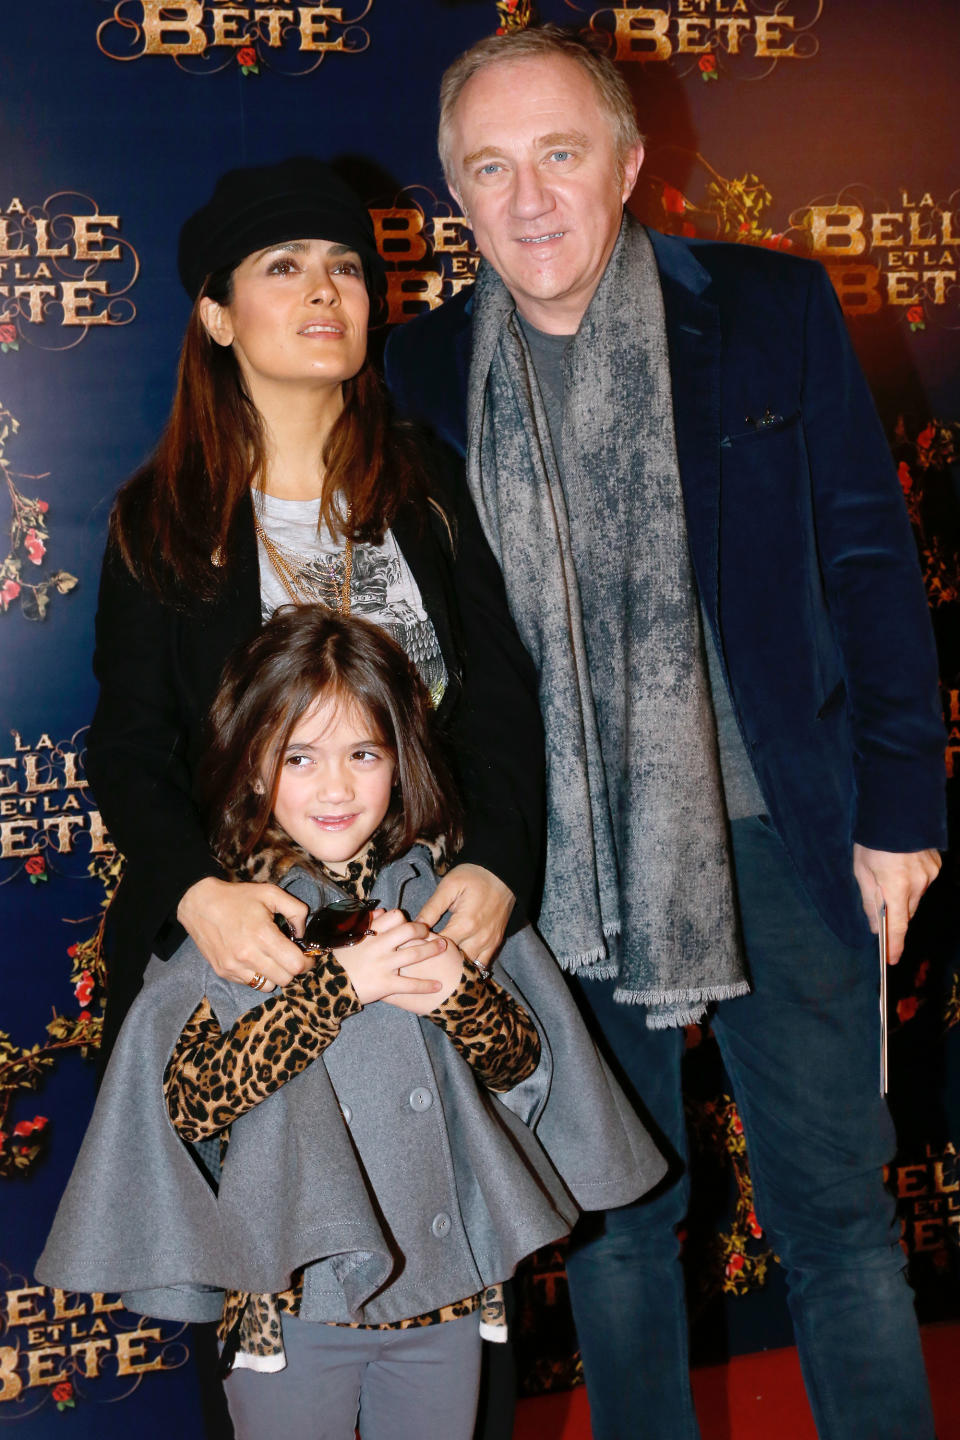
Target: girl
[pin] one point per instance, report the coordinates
(396, 1130)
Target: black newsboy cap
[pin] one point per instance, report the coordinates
(261, 205)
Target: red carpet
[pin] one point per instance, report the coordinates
(754, 1397)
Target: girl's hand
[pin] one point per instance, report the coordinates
(479, 905)
(376, 965)
(446, 969)
(232, 927)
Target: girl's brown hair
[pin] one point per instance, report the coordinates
(304, 653)
(172, 521)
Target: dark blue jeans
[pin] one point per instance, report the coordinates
(802, 1053)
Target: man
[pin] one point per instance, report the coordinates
(679, 467)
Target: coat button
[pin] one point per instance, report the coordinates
(420, 1099)
(441, 1224)
(347, 1113)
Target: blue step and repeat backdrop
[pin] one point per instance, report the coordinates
(822, 127)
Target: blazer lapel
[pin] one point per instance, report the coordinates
(210, 632)
(694, 342)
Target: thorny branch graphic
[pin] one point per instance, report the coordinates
(28, 541)
(24, 1069)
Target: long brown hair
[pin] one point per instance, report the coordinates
(172, 521)
(302, 654)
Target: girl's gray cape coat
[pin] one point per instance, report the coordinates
(317, 1175)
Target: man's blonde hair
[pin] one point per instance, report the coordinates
(544, 42)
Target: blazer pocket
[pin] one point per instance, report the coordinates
(761, 432)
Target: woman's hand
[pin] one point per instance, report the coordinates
(479, 905)
(233, 928)
(377, 965)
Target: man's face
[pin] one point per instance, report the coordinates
(539, 181)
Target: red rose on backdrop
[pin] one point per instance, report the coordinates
(34, 546)
(925, 438)
(706, 63)
(734, 1266)
(673, 201)
(753, 1225)
(35, 865)
(907, 1008)
(736, 1125)
(777, 242)
(63, 1391)
(8, 333)
(923, 970)
(84, 988)
(915, 314)
(246, 55)
(9, 592)
(27, 1127)
(687, 229)
(43, 506)
(84, 1015)
(904, 476)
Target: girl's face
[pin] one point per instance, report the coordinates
(336, 776)
(298, 311)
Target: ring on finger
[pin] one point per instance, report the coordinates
(257, 981)
(482, 970)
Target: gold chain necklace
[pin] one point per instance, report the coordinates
(287, 575)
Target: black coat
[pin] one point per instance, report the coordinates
(159, 667)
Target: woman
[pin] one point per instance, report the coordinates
(281, 477)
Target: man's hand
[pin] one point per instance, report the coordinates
(901, 880)
(479, 905)
(232, 926)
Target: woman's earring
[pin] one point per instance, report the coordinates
(258, 787)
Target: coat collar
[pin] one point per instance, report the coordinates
(316, 889)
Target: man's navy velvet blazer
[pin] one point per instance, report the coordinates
(800, 544)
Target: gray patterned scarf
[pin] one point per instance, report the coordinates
(600, 585)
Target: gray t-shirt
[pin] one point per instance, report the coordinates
(382, 587)
(548, 353)
(741, 792)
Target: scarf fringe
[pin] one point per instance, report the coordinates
(590, 964)
(674, 1008)
(597, 962)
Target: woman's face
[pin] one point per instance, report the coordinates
(336, 778)
(298, 312)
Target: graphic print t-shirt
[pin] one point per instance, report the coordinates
(382, 587)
